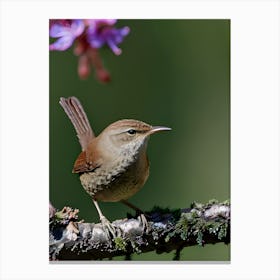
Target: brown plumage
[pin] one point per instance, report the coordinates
(113, 166)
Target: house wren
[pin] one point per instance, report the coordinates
(114, 165)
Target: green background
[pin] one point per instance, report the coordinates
(171, 72)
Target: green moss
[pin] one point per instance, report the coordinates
(222, 231)
(181, 227)
(213, 227)
(212, 201)
(65, 215)
(60, 215)
(199, 238)
(226, 202)
(193, 224)
(120, 244)
(197, 205)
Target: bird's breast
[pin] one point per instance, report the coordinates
(119, 180)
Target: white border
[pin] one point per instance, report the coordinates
(254, 138)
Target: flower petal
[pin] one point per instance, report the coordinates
(58, 30)
(77, 27)
(114, 47)
(62, 43)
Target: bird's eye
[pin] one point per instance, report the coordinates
(131, 131)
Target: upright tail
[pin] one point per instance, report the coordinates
(78, 117)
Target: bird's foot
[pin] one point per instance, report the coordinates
(108, 227)
(145, 225)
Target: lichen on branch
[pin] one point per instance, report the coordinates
(167, 230)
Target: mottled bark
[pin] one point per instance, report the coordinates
(166, 230)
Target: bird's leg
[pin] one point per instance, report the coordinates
(132, 206)
(107, 226)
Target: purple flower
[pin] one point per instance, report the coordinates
(66, 32)
(89, 35)
(101, 32)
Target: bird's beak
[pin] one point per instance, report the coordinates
(158, 128)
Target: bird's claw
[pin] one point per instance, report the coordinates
(108, 227)
(145, 225)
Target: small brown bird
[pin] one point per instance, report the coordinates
(114, 165)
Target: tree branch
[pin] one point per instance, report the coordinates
(167, 230)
